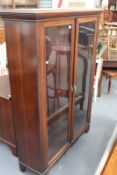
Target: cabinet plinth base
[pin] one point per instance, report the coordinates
(14, 151)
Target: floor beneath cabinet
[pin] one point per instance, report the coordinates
(85, 155)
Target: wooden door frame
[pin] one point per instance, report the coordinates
(78, 22)
(44, 25)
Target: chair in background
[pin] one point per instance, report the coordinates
(110, 73)
(111, 40)
(99, 63)
(62, 50)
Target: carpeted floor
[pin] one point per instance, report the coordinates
(85, 155)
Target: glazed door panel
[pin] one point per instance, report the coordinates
(59, 63)
(82, 75)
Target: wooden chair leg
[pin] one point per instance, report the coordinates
(109, 84)
(81, 105)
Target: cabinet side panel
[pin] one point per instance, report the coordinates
(22, 60)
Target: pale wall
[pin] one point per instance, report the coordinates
(87, 3)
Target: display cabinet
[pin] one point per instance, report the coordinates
(51, 56)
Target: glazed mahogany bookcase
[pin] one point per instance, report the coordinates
(51, 58)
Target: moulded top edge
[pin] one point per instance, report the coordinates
(36, 14)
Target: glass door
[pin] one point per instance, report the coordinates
(82, 76)
(59, 63)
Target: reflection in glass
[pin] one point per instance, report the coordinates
(83, 73)
(58, 50)
(4, 75)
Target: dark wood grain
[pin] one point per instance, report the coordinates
(39, 14)
(23, 61)
(7, 132)
(26, 51)
(110, 64)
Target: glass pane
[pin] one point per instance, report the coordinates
(58, 50)
(4, 75)
(83, 73)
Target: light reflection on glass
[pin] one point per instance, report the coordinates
(83, 73)
(58, 50)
